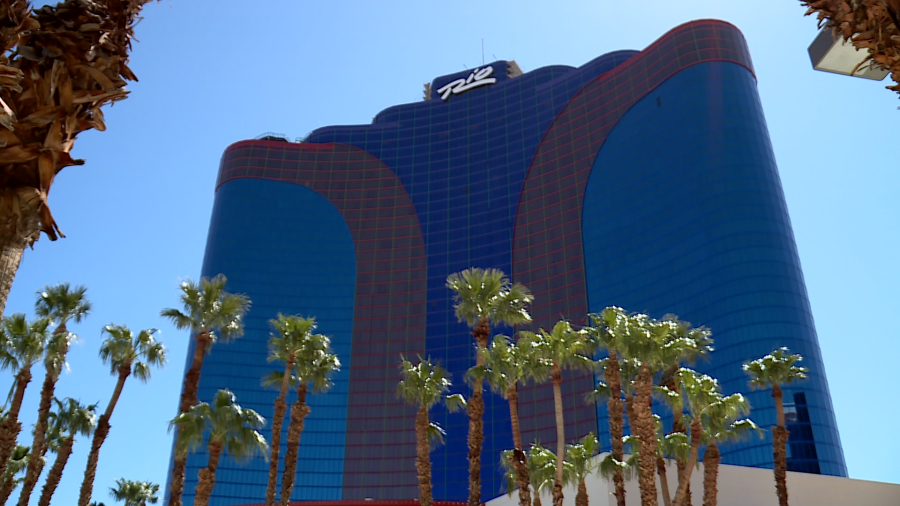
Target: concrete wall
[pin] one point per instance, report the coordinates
(744, 486)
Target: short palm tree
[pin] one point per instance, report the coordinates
(126, 355)
(580, 457)
(21, 346)
(134, 493)
(506, 364)
(425, 384)
(225, 426)
(541, 469)
(776, 369)
(212, 315)
(16, 465)
(287, 341)
(721, 424)
(71, 419)
(60, 304)
(561, 348)
(484, 298)
(315, 364)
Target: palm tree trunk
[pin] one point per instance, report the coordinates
(581, 497)
(423, 460)
(280, 409)
(206, 478)
(55, 474)
(537, 498)
(616, 421)
(680, 494)
(39, 443)
(779, 448)
(475, 410)
(103, 426)
(188, 399)
(678, 426)
(11, 427)
(299, 411)
(710, 475)
(556, 379)
(643, 427)
(11, 251)
(519, 462)
(663, 480)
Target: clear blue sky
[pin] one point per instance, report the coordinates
(212, 73)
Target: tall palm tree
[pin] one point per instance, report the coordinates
(506, 364)
(225, 426)
(126, 355)
(71, 419)
(314, 366)
(721, 424)
(776, 369)
(701, 395)
(21, 346)
(61, 304)
(18, 461)
(284, 345)
(211, 314)
(561, 348)
(134, 493)
(484, 298)
(580, 457)
(46, 99)
(425, 384)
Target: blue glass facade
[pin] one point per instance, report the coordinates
(641, 179)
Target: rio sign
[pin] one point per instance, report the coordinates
(478, 77)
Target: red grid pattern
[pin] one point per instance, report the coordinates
(547, 242)
(389, 305)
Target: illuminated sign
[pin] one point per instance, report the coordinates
(478, 77)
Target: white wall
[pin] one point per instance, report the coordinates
(744, 486)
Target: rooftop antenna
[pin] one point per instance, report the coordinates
(495, 56)
(482, 51)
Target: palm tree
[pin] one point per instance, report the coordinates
(211, 314)
(134, 493)
(70, 419)
(18, 461)
(60, 304)
(426, 384)
(701, 395)
(582, 463)
(21, 346)
(561, 348)
(484, 298)
(507, 363)
(774, 370)
(721, 424)
(226, 427)
(284, 345)
(541, 469)
(46, 100)
(126, 355)
(314, 366)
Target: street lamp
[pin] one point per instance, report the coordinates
(830, 53)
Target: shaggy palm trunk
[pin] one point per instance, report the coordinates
(520, 463)
(188, 400)
(678, 426)
(39, 443)
(475, 410)
(10, 257)
(537, 498)
(423, 460)
(644, 427)
(779, 448)
(103, 426)
(206, 478)
(299, 412)
(581, 497)
(696, 432)
(280, 409)
(663, 480)
(710, 475)
(55, 474)
(10, 428)
(616, 421)
(556, 379)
